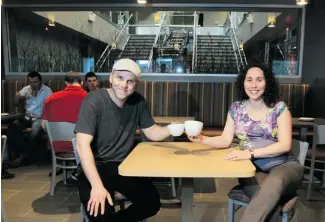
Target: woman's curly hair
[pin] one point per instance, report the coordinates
(271, 93)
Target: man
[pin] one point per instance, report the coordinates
(105, 132)
(91, 81)
(34, 96)
(64, 105)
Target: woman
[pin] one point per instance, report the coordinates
(263, 126)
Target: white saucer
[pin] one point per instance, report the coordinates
(306, 119)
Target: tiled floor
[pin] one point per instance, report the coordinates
(26, 199)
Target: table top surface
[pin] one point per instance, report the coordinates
(170, 119)
(184, 160)
(297, 122)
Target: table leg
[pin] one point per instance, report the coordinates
(303, 134)
(187, 200)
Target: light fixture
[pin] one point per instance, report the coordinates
(302, 2)
(271, 20)
(91, 17)
(241, 45)
(156, 17)
(142, 1)
(51, 20)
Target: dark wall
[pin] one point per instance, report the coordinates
(313, 71)
(36, 46)
(314, 47)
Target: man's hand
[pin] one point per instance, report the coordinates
(34, 93)
(98, 196)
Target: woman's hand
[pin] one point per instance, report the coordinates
(238, 155)
(196, 139)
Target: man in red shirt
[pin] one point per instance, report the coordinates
(63, 106)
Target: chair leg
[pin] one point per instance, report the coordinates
(122, 205)
(323, 181)
(64, 173)
(231, 211)
(52, 185)
(311, 175)
(173, 184)
(4, 217)
(285, 217)
(82, 213)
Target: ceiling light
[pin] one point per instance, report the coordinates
(51, 23)
(271, 20)
(241, 45)
(51, 20)
(302, 2)
(142, 1)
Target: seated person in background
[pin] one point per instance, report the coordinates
(105, 132)
(63, 106)
(262, 123)
(34, 96)
(91, 82)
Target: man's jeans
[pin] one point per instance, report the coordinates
(18, 145)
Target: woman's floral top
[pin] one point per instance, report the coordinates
(258, 134)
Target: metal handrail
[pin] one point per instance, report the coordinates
(107, 47)
(125, 25)
(156, 39)
(194, 55)
(235, 38)
(246, 63)
(233, 46)
(283, 57)
(122, 48)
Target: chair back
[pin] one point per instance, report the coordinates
(319, 135)
(299, 150)
(74, 144)
(3, 147)
(59, 131)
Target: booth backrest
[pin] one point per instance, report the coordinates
(207, 102)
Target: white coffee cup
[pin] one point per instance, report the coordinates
(193, 128)
(176, 129)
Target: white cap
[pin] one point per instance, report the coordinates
(127, 65)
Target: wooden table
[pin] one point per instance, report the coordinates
(303, 125)
(184, 160)
(170, 119)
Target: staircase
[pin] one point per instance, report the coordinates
(215, 54)
(113, 56)
(174, 44)
(138, 47)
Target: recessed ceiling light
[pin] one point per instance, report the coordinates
(142, 1)
(302, 2)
